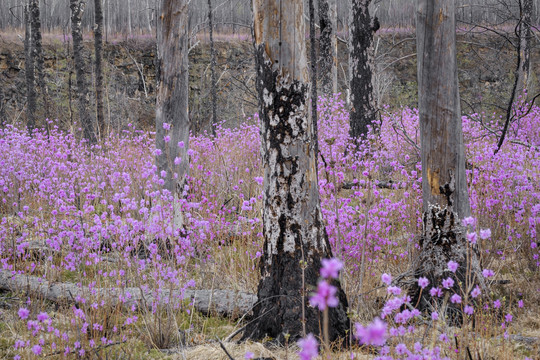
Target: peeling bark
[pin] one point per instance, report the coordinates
(361, 29)
(293, 227)
(328, 47)
(172, 98)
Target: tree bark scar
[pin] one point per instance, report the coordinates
(433, 180)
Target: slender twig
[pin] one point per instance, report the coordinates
(224, 349)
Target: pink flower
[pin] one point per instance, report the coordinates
(452, 266)
(167, 126)
(485, 234)
(42, 316)
(401, 349)
(488, 273)
(468, 221)
(435, 291)
(330, 268)
(309, 347)
(23, 313)
(386, 278)
(249, 355)
(325, 296)
(476, 292)
(166, 138)
(423, 282)
(472, 237)
(373, 334)
(434, 316)
(36, 349)
(455, 299)
(469, 310)
(448, 283)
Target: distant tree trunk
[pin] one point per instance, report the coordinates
(328, 47)
(98, 47)
(148, 16)
(37, 52)
(293, 227)
(129, 17)
(522, 67)
(444, 180)
(212, 68)
(525, 34)
(85, 118)
(172, 99)
(2, 104)
(313, 74)
(361, 30)
(29, 69)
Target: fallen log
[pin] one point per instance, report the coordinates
(222, 302)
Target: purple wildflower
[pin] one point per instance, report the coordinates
(309, 347)
(330, 268)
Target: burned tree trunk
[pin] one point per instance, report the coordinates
(525, 38)
(98, 48)
(443, 158)
(444, 182)
(293, 227)
(328, 47)
(85, 118)
(29, 69)
(172, 120)
(37, 52)
(361, 29)
(2, 104)
(313, 74)
(212, 68)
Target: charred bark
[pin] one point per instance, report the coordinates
(525, 38)
(85, 118)
(98, 48)
(30, 75)
(172, 98)
(328, 47)
(2, 105)
(212, 68)
(293, 226)
(37, 52)
(361, 29)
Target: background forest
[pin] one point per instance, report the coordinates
(135, 168)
